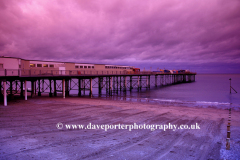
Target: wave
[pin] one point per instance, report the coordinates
(203, 104)
(216, 103)
(177, 102)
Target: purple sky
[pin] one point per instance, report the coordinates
(200, 35)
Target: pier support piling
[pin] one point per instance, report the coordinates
(140, 82)
(35, 87)
(54, 86)
(109, 91)
(155, 80)
(21, 93)
(149, 82)
(16, 85)
(25, 83)
(42, 85)
(79, 87)
(5, 93)
(50, 87)
(120, 84)
(125, 83)
(111, 85)
(90, 93)
(11, 90)
(83, 83)
(1, 95)
(131, 87)
(146, 82)
(99, 86)
(117, 83)
(67, 87)
(32, 88)
(184, 78)
(63, 88)
(39, 87)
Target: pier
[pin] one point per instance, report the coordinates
(51, 82)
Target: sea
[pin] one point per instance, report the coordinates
(208, 90)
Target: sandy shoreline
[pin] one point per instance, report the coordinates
(28, 130)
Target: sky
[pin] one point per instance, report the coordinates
(200, 35)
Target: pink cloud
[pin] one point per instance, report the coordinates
(164, 31)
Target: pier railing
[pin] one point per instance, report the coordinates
(34, 73)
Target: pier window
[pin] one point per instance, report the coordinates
(89, 66)
(32, 65)
(85, 66)
(81, 66)
(76, 66)
(39, 65)
(45, 65)
(51, 65)
(92, 67)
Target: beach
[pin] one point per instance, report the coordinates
(30, 130)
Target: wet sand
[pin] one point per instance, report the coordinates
(28, 130)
